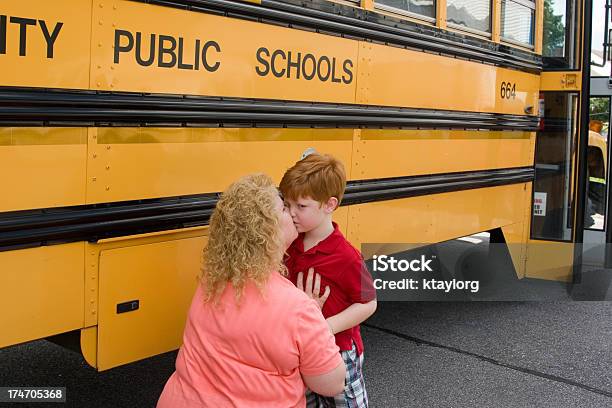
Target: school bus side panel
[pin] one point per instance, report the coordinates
(438, 217)
(395, 153)
(138, 163)
(212, 55)
(47, 43)
(42, 292)
(400, 77)
(42, 167)
(161, 277)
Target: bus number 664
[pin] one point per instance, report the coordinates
(507, 90)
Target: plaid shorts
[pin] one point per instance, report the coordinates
(354, 394)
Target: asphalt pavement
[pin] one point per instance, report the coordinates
(495, 354)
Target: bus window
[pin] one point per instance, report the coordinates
(425, 8)
(470, 15)
(518, 22)
(559, 51)
(600, 60)
(599, 122)
(552, 188)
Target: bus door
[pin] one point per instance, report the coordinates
(557, 214)
(598, 232)
(597, 229)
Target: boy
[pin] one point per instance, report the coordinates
(312, 190)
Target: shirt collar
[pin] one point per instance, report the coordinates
(327, 246)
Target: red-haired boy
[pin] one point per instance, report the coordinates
(312, 190)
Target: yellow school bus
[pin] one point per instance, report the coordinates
(121, 121)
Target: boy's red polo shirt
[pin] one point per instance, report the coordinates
(341, 268)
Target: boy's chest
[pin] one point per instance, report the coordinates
(330, 267)
(332, 270)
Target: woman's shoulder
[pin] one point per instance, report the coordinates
(283, 289)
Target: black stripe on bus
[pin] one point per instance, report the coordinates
(355, 23)
(30, 107)
(358, 192)
(93, 222)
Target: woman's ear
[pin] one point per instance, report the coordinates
(331, 204)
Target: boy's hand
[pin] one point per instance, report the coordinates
(313, 292)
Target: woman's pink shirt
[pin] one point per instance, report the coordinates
(251, 355)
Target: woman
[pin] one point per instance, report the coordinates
(251, 339)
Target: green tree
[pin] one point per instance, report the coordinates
(599, 109)
(554, 32)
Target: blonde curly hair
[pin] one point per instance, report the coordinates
(245, 241)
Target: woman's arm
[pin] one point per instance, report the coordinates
(328, 384)
(319, 352)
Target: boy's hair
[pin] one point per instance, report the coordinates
(317, 176)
